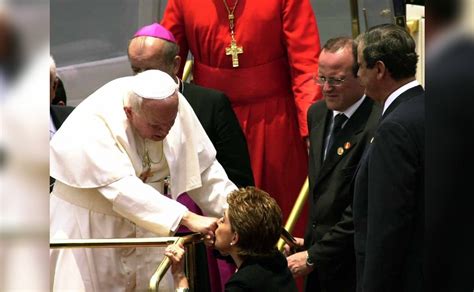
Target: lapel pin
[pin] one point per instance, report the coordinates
(340, 151)
(371, 140)
(347, 145)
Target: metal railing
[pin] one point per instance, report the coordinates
(188, 241)
(295, 212)
(188, 68)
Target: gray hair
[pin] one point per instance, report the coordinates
(392, 45)
(134, 101)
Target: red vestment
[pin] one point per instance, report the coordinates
(272, 88)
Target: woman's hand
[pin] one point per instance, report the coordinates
(176, 254)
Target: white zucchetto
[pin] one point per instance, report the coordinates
(153, 84)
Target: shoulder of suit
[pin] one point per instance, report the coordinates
(409, 111)
(319, 106)
(316, 112)
(61, 108)
(203, 90)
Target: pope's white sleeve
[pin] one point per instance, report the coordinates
(212, 196)
(144, 205)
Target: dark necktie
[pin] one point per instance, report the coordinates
(339, 120)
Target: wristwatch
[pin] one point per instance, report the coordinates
(309, 261)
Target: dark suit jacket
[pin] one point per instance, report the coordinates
(215, 113)
(266, 274)
(449, 240)
(329, 232)
(59, 114)
(388, 200)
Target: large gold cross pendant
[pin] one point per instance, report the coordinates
(234, 50)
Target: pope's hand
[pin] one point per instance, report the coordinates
(297, 264)
(201, 224)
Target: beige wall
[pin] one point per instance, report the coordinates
(416, 17)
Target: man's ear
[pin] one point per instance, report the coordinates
(128, 112)
(381, 70)
(176, 64)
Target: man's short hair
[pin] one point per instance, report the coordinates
(392, 45)
(170, 51)
(165, 57)
(257, 219)
(335, 44)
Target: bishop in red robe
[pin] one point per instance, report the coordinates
(263, 54)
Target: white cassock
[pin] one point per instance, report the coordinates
(97, 159)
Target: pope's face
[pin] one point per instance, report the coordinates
(155, 118)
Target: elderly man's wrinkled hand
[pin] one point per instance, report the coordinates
(202, 224)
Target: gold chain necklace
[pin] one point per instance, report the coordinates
(233, 50)
(147, 161)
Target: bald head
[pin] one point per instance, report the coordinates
(145, 53)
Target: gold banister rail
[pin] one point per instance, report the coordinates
(190, 239)
(188, 68)
(113, 242)
(295, 212)
(166, 262)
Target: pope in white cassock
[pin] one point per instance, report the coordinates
(110, 159)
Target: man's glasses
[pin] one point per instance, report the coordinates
(331, 81)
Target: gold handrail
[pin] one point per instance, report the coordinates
(295, 212)
(166, 262)
(113, 242)
(188, 67)
(139, 242)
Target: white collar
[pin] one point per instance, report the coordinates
(397, 93)
(350, 110)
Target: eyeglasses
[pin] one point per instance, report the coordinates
(331, 81)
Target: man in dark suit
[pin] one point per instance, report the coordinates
(57, 113)
(389, 184)
(334, 152)
(449, 252)
(153, 47)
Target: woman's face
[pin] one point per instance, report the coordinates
(224, 235)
